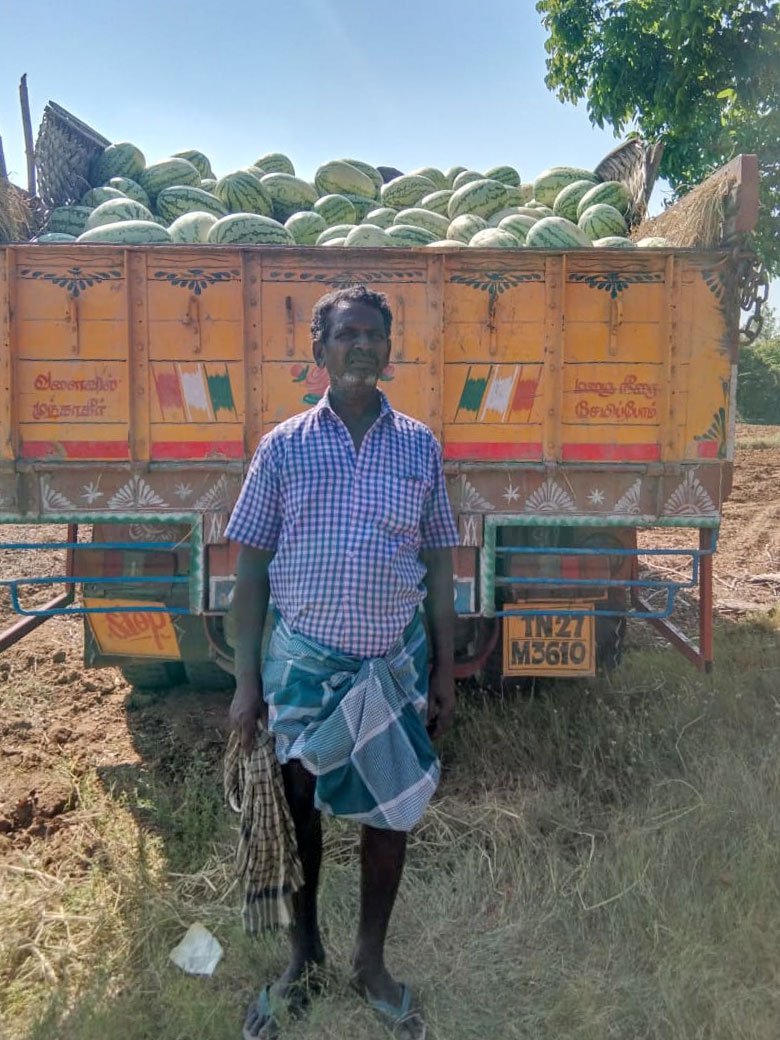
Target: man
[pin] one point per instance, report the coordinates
(344, 518)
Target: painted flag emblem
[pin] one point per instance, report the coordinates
(498, 393)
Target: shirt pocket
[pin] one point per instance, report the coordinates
(397, 506)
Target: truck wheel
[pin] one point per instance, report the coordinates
(153, 675)
(207, 677)
(610, 637)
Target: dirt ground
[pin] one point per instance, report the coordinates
(79, 718)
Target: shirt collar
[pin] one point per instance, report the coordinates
(324, 405)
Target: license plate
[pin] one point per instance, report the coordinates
(550, 644)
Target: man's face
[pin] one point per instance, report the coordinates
(355, 349)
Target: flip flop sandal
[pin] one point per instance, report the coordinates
(293, 1006)
(268, 1028)
(403, 1019)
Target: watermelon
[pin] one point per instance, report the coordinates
(210, 183)
(371, 172)
(127, 232)
(176, 201)
(306, 228)
(367, 236)
(506, 174)
(198, 160)
(339, 178)
(482, 198)
(568, 199)
(337, 231)
(68, 220)
(654, 242)
(452, 173)
(192, 227)
(132, 189)
(249, 228)
(463, 228)
(289, 194)
(117, 209)
(435, 223)
(509, 211)
(50, 237)
(335, 242)
(410, 235)
(117, 160)
(437, 201)
(550, 182)
(275, 162)
(556, 233)
(466, 177)
(166, 174)
(539, 208)
(432, 174)
(517, 225)
(363, 205)
(447, 243)
(244, 192)
(602, 220)
(613, 193)
(494, 238)
(382, 217)
(406, 191)
(613, 242)
(534, 211)
(335, 209)
(95, 196)
(520, 195)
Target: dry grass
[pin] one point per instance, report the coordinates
(694, 222)
(15, 213)
(601, 863)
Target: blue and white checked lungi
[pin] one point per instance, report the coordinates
(357, 724)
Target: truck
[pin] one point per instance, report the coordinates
(580, 397)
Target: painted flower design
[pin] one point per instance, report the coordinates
(315, 380)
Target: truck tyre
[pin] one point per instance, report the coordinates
(207, 677)
(153, 675)
(610, 637)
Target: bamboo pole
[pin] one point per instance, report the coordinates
(29, 147)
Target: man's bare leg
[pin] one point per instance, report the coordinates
(307, 953)
(382, 855)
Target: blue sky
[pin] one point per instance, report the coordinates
(407, 83)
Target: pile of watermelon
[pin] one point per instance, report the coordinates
(349, 203)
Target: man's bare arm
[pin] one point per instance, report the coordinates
(250, 607)
(440, 612)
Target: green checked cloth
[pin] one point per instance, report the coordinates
(267, 857)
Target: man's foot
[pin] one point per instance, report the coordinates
(287, 998)
(392, 1001)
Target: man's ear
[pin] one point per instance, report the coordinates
(389, 350)
(318, 352)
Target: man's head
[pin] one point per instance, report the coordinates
(351, 336)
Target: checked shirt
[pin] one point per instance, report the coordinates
(347, 528)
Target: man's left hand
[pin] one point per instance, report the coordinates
(441, 702)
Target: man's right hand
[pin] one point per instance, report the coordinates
(246, 708)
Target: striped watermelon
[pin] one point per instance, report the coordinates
(437, 201)
(549, 183)
(275, 162)
(306, 228)
(517, 225)
(367, 236)
(613, 242)
(556, 233)
(249, 228)
(127, 232)
(371, 172)
(568, 199)
(410, 235)
(337, 231)
(434, 175)
(482, 198)
(406, 191)
(418, 217)
(494, 238)
(210, 183)
(533, 211)
(382, 217)
(654, 242)
(601, 220)
(175, 202)
(289, 194)
(539, 208)
(192, 227)
(612, 193)
(363, 205)
(509, 211)
(466, 177)
(335, 209)
(506, 174)
(95, 196)
(519, 195)
(447, 243)
(50, 237)
(339, 178)
(117, 209)
(198, 160)
(335, 242)
(452, 173)
(243, 192)
(463, 228)
(166, 174)
(117, 160)
(68, 220)
(132, 189)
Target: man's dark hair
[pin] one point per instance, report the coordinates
(353, 294)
